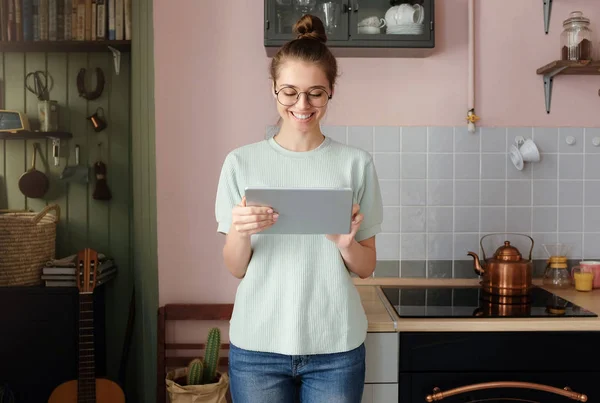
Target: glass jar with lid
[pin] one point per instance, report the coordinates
(576, 38)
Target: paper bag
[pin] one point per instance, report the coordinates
(209, 393)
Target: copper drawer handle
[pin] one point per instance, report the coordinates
(566, 392)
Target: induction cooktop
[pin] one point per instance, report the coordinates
(472, 302)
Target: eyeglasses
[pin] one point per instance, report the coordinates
(288, 96)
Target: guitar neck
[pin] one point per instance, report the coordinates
(86, 386)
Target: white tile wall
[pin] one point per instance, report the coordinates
(443, 188)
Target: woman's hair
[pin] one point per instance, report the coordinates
(309, 46)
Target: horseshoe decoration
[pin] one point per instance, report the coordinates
(83, 92)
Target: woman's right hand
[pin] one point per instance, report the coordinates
(248, 220)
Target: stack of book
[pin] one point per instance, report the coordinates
(65, 20)
(62, 272)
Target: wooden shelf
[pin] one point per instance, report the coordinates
(26, 135)
(568, 67)
(558, 67)
(64, 46)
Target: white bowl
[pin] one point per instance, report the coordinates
(369, 30)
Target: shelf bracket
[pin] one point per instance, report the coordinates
(547, 12)
(116, 58)
(548, 80)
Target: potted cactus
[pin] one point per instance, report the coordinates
(200, 381)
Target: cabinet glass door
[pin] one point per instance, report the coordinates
(391, 20)
(283, 14)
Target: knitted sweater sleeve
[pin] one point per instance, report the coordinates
(371, 205)
(228, 195)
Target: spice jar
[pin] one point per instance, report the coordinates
(576, 38)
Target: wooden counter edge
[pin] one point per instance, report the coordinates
(378, 316)
(388, 307)
(417, 282)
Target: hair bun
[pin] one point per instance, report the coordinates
(310, 27)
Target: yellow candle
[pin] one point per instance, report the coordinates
(584, 281)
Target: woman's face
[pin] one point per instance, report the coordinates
(308, 80)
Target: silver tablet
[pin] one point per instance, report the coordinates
(305, 210)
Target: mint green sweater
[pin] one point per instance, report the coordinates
(297, 296)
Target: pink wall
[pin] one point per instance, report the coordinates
(212, 94)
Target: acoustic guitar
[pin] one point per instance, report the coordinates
(87, 388)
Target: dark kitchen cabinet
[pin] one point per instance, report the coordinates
(416, 387)
(457, 360)
(38, 339)
(344, 22)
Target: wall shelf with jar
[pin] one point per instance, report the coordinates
(557, 67)
(576, 54)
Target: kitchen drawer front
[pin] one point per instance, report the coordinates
(499, 351)
(380, 393)
(415, 387)
(381, 358)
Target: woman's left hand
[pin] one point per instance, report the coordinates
(343, 241)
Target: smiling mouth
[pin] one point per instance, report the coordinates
(302, 116)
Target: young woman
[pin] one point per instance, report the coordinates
(298, 326)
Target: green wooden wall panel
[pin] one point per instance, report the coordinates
(144, 190)
(15, 154)
(85, 222)
(3, 197)
(97, 145)
(58, 192)
(77, 215)
(142, 387)
(35, 62)
(117, 147)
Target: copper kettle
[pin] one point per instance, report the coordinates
(507, 273)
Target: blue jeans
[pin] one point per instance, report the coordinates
(257, 377)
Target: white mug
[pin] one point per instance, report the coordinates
(405, 14)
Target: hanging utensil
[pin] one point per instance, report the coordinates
(55, 151)
(77, 173)
(98, 119)
(33, 183)
(101, 191)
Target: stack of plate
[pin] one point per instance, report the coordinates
(405, 29)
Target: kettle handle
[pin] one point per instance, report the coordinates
(505, 233)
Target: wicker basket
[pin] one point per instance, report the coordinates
(27, 242)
